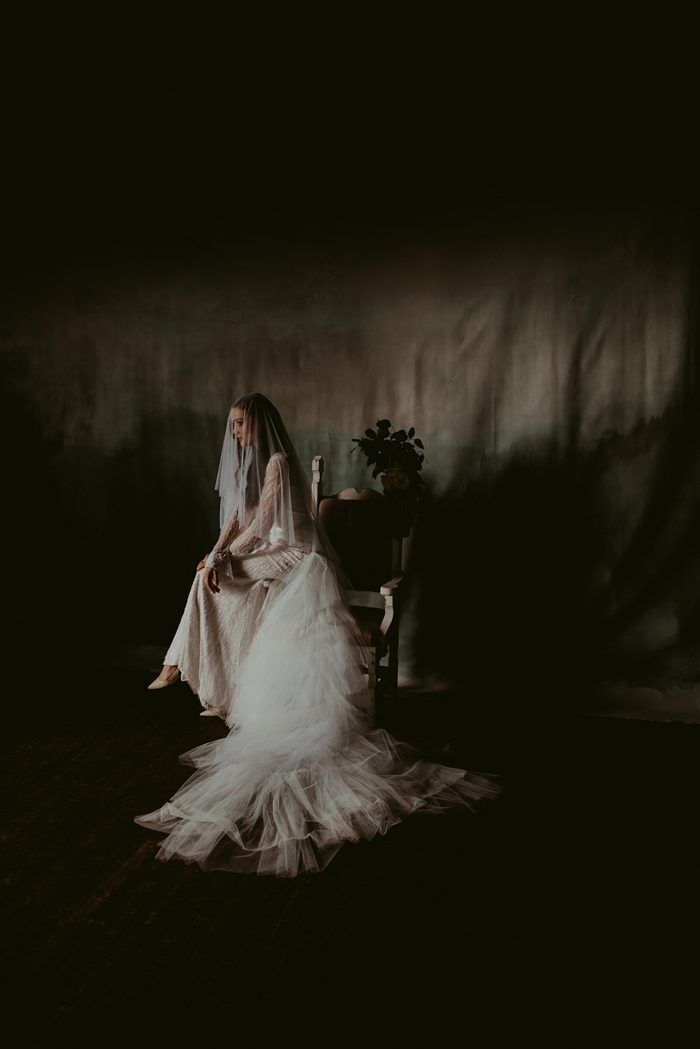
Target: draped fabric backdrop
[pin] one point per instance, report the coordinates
(543, 344)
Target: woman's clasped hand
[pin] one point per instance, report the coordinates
(212, 576)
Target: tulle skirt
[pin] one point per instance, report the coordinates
(302, 770)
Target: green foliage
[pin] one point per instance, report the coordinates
(393, 453)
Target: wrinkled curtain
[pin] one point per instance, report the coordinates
(546, 353)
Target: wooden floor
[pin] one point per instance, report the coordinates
(584, 871)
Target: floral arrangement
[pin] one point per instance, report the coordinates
(394, 455)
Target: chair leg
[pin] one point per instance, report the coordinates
(388, 674)
(371, 680)
(393, 668)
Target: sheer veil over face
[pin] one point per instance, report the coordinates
(257, 450)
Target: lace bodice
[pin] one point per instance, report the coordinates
(252, 535)
(234, 541)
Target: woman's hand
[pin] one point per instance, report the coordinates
(212, 579)
(202, 563)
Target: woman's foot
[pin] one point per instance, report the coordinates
(211, 712)
(167, 676)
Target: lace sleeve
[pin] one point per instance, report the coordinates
(220, 552)
(247, 539)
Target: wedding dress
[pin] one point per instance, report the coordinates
(216, 629)
(279, 653)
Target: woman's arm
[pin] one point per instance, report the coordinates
(257, 530)
(220, 552)
(247, 539)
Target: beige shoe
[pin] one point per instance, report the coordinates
(211, 712)
(170, 678)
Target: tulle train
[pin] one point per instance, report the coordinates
(240, 815)
(301, 771)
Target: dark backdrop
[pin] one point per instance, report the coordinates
(539, 332)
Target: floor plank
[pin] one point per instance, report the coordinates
(587, 860)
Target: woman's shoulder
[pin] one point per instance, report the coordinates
(277, 461)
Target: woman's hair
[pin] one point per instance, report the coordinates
(249, 402)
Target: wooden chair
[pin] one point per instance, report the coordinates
(357, 524)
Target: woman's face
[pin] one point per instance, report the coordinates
(241, 429)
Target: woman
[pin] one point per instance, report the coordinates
(268, 641)
(213, 634)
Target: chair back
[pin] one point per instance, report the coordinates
(358, 526)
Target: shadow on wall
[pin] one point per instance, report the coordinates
(41, 561)
(100, 546)
(158, 514)
(553, 567)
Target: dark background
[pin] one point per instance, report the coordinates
(539, 332)
(484, 233)
(486, 236)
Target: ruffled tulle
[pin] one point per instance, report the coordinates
(301, 771)
(238, 814)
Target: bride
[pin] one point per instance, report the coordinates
(268, 642)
